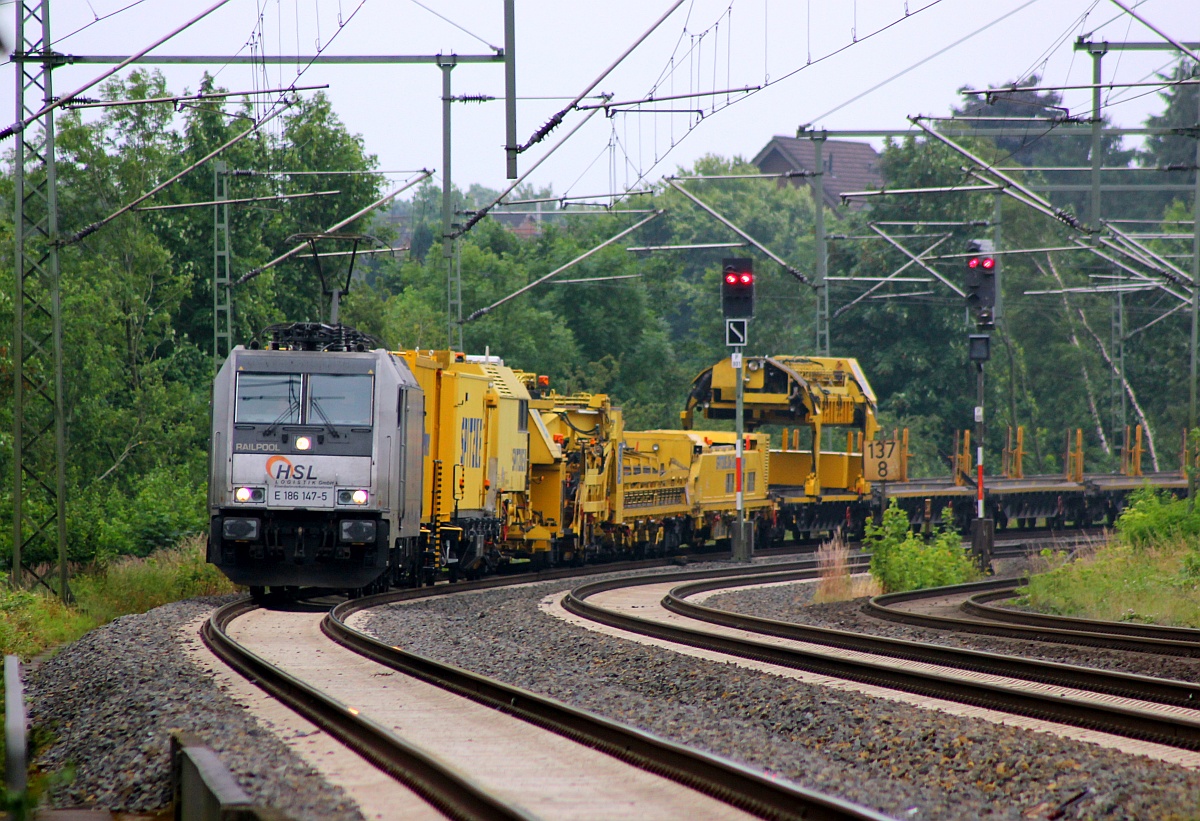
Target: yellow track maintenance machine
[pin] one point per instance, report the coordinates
(813, 489)
(599, 492)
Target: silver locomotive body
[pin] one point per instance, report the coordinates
(315, 474)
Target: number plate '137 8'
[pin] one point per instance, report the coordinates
(881, 461)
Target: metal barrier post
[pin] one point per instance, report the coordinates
(15, 737)
(204, 790)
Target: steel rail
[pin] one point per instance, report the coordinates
(1002, 550)
(451, 792)
(978, 605)
(1125, 685)
(806, 551)
(1110, 635)
(724, 780)
(1130, 722)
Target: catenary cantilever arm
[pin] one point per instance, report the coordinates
(66, 98)
(95, 226)
(253, 272)
(717, 216)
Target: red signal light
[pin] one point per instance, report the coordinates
(737, 288)
(973, 262)
(989, 263)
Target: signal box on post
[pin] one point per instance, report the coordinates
(981, 281)
(737, 288)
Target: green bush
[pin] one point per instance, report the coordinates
(901, 560)
(1158, 583)
(1155, 516)
(163, 507)
(32, 621)
(1150, 572)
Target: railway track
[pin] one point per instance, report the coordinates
(729, 787)
(968, 609)
(1137, 707)
(432, 724)
(450, 792)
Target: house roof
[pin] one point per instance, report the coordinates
(849, 165)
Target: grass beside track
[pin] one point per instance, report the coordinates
(1148, 572)
(1120, 582)
(33, 621)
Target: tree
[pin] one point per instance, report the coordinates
(1176, 152)
(1039, 145)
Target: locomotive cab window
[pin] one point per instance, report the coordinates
(304, 399)
(268, 398)
(339, 399)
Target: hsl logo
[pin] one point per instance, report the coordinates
(280, 467)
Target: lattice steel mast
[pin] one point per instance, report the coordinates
(222, 261)
(39, 424)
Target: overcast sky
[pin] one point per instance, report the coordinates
(834, 51)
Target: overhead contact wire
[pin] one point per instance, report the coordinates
(66, 98)
(557, 119)
(920, 63)
(99, 19)
(95, 226)
(752, 91)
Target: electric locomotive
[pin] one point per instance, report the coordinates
(315, 478)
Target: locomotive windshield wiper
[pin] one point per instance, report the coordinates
(316, 406)
(291, 408)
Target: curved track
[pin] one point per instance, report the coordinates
(453, 794)
(966, 609)
(1118, 703)
(748, 790)
(979, 605)
(646, 776)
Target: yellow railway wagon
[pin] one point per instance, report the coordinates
(515, 472)
(672, 472)
(476, 465)
(815, 485)
(597, 490)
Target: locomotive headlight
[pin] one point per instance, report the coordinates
(249, 494)
(303, 442)
(353, 497)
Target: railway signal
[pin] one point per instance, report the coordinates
(981, 281)
(737, 304)
(737, 288)
(981, 297)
